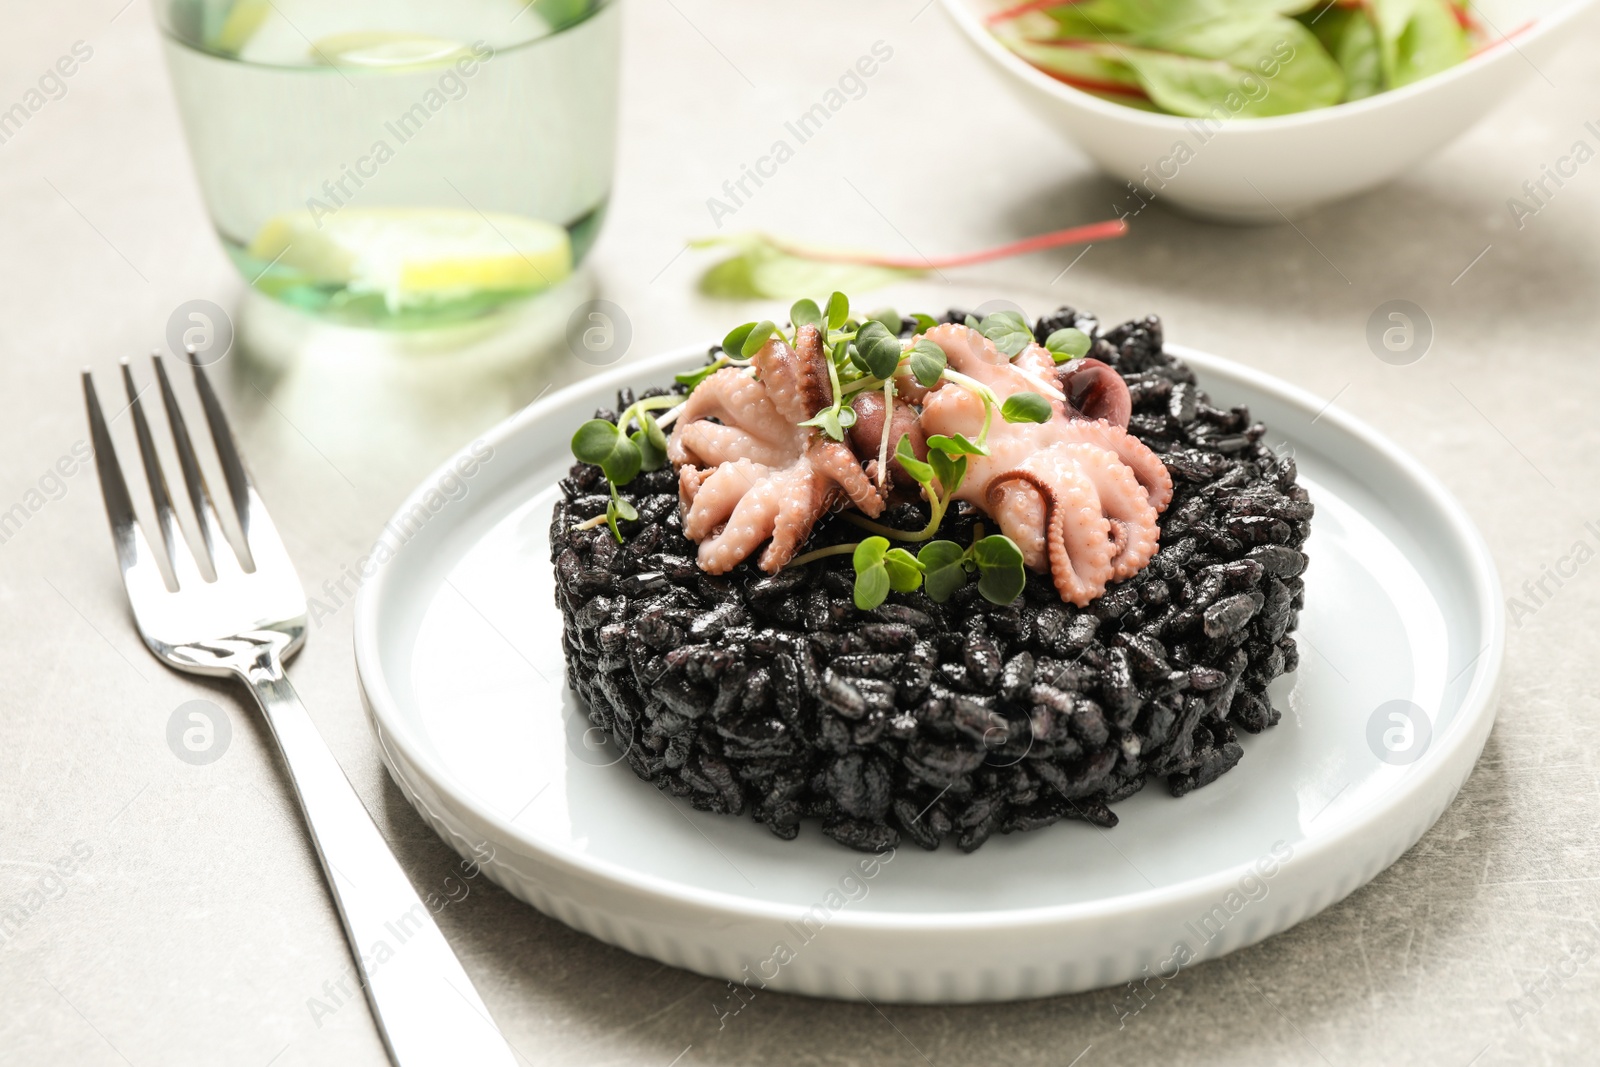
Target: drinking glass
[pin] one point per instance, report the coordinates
(399, 163)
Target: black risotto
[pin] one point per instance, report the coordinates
(775, 696)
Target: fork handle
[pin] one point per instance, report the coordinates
(425, 1005)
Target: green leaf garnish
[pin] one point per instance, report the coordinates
(623, 463)
(921, 471)
(806, 313)
(624, 509)
(927, 362)
(943, 569)
(833, 421)
(951, 472)
(956, 446)
(905, 572)
(872, 577)
(879, 569)
(651, 443)
(733, 343)
(757, 337)
(594, 441)
(600, 442)
(1008, 330)
(693, 378)
(1001, 577)
(877, 351)
(618, 508)
(1067, 343)
(1025, 407)
(924, 322)
(838, 311)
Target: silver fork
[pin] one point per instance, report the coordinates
(245, 622)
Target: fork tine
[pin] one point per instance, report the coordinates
(119, 506)
(179, 558)
(227, 451)
(194, 480)
(260, 535)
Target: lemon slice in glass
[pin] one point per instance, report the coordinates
(416, 256)
(240, 24)
(386, 50)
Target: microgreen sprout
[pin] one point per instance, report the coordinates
(879, 569)
(1025, 407)
(940, 567)
(996, 559)
(927, 361)
(1008, 330)
(1067, 343)
(621, 455)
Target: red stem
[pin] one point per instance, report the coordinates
(1023, 9)
(1097, 231)
(1095, 85)
(1488, 46)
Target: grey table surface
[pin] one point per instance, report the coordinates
(194, 926)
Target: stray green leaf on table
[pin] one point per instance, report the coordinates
(759, 269)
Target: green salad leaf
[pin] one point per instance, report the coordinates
(1224, 59)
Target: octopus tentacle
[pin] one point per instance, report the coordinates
(1145, 464)
(1124, 503)
(714, 444)
(734, 399)
(1024, 515)
(1080, 545)
(808, 494)
(689, 479)
(719, 495)
(796, 378)
(835, 460)
(1077, 534)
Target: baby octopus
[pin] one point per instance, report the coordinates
(754, 473)
(1078, 494)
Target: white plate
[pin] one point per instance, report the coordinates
(458, 651)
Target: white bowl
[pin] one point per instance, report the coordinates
(1260, 170)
